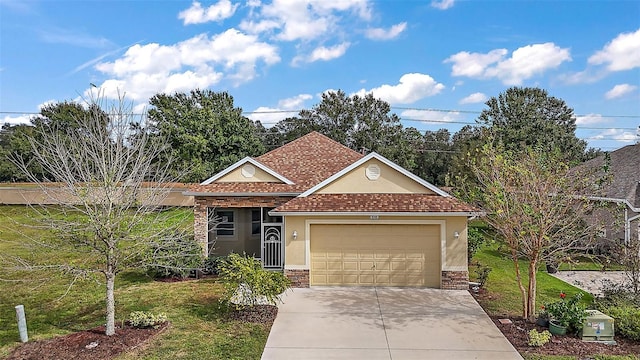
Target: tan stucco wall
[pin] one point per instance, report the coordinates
(456, 249)
(259, 176)
(390, 181)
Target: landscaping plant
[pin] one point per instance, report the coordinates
(569, 313)
(246, 283)
(539, 338)
(532, 199)
(622, 303)
(166, 258)
(144, 319)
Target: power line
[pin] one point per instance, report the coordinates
(280, 111)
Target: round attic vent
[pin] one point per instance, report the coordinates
(248, 171)
(373, 172)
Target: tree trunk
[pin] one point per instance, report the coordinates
(531, 298)
(523, 294)
(111, 308)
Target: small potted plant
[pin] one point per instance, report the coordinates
(543, 317)
(566, 315)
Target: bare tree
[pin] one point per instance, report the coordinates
(105, 194)
(535, 203)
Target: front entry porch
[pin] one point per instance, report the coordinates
(246, 230)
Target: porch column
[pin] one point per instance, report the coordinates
(200, 225)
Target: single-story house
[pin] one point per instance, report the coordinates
(327, 215)
(621, 218)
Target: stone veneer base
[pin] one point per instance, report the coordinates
(299, 278)
(455, 280)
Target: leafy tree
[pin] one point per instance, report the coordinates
(103, 211)
(14, 140)
(434, 160)
(363, 124)
(205, 131)
(68, 116)
(535, 204)
(523, 117)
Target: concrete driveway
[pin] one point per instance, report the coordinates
(384, 323)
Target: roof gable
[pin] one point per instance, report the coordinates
(405, 175)
(263, 169)
(310, 159)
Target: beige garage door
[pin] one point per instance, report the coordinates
(375, 255)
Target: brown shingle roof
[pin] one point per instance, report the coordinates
(247, 187)
(310, 159)
(375, 203)
(306, 161)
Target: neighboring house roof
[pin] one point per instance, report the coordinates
(625, 171)
(384, 203)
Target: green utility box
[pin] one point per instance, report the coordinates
(598, 327)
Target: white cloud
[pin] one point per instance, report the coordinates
(328, 53)
(474, 98)
(198, 62)
(617, 135)
(196, 14)
(474, 64)
(442, 4)
(293, 20)
(16, 119)
(523, 64)
(412, 87)
(591, 119)
(432, 117)
(294, 102)
(384, 34)
(286, 108)
(322, 53)
(621, 53)
(620, 90)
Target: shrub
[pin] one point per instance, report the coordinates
(483, 274)
(174, 255)
(568, 313)
(623, 304)
(475, 239)
(539, 338)
(246, 283)
(627, 320)
(212, 264)
(143, 319)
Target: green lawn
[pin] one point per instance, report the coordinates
(199, 328)
(502, 284)
(505, 297)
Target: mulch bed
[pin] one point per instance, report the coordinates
(517, 334)
(82, 345)
(87, 345)
(263, 314)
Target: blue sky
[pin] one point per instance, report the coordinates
(278, 56)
